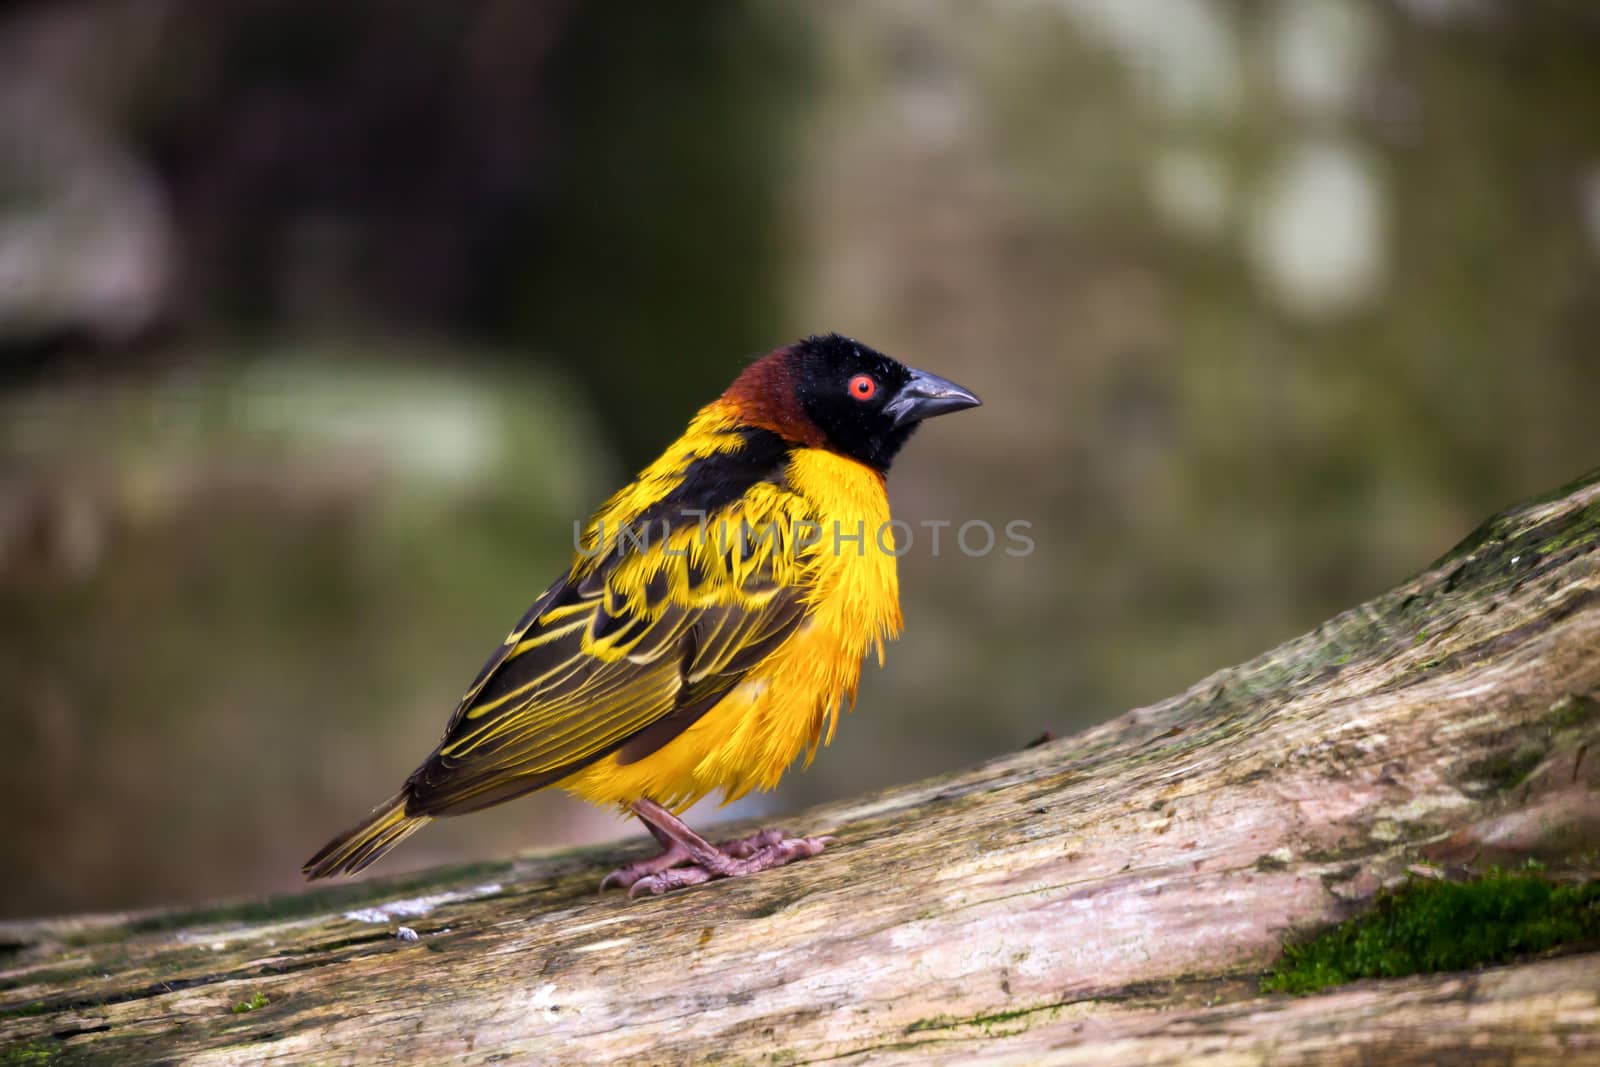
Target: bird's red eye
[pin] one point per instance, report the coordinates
(862, 386)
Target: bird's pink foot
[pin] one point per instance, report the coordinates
(625, 877)
(778, 851)
(688, 859)
(676, 855)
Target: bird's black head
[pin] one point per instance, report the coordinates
(836, 393)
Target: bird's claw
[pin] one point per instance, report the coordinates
(666, 881)
(627, 877)
(622, 878)
(774, 850)
(676, 855)
(741, 847)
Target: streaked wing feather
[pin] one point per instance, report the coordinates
(712, 673)
(593, 674)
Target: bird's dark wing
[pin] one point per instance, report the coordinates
(620, 656)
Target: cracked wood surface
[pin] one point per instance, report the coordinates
(1108, 897)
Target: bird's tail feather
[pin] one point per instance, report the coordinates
(353, 850)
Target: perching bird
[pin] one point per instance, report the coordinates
(713, 621)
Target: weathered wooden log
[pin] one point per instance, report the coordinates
(1109, 897)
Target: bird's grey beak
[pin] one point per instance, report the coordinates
(925, 396)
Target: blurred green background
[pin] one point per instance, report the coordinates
(321, 323)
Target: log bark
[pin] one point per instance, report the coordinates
(1110, 897)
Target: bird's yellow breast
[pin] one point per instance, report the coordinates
(789, 704)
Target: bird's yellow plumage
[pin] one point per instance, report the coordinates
(708, 630)
(789, 704)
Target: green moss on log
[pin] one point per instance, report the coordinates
(1427, 927)
(257, 1001)
(1572, 710)
(33, 1054)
